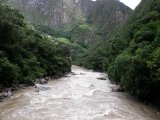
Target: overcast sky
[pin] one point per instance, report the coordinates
(130, 3)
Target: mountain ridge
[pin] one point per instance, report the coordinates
(60, 13)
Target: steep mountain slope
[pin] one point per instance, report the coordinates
(46, 12)
(102, 16)
(108, 14)
(131, 53)
(55, 13)
(81, 21)
(60, 13)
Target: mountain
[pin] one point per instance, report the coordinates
(108, 14)
(61, 13)
(84, 22)
(130, 54)
(103, 35)
(55, 13)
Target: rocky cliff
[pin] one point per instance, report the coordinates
(108, 14)
(46, 12)
(59, 13)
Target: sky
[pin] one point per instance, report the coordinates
(130, 3)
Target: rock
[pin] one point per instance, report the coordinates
(14, 87)
(43, 81)
(31, 82)
(22, 85)
(82, 74)
(117, 88)
(37, 81)
(7, 89)
(1, 95)
(55, 77)
(1, 90)
(72, 73)
(148, 102)
(42, 87)
(47, 78)
(4, 94)
(9, 94)
(158, 113)
(102, 78)
(36, 91)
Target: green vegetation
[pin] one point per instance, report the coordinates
(63, 37)
(26, 55)
(46, 30)
(75, 49)
(131, 53)
(137, 67)
(83, 27)
(84, 33)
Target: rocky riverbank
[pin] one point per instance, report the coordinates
(7, 91)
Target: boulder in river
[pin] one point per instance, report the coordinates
(4, 94)
(117, 88)
(82, 73)
(37, 81)
(102, 78)
(14, 87)
(42, 87)
(73, 73)
(47, 78)
(43, 81)
(55, 77)
(9, 94)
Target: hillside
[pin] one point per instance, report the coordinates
(26, 55)
(61, 13)
(108, 14)
(81, 22)
(103, 35)
(130, 54)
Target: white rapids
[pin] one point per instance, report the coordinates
(75, 97)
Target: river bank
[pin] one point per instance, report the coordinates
(77, 96)
(7, 91)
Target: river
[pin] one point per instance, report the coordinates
(75, 97)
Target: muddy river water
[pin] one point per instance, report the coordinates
(75, 97)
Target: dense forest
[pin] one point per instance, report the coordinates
(131, 53)
(24, 53)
